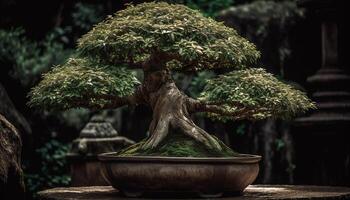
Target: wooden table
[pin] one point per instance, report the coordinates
(252, 192)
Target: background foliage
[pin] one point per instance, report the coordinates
(54, 171)
(30, 58)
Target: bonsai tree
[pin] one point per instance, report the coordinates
(159, 38)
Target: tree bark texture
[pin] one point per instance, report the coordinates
(11, 175)
(170, 111)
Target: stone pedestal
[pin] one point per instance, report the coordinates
(258, 192)
(97, 137)
(322, 148)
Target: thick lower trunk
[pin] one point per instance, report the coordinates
(170, 114)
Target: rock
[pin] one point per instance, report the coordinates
(11, 174)
(98, 136)
(257, 192)
(8, 110)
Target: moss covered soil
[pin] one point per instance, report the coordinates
(178, 145)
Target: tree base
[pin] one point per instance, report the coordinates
(178, 145)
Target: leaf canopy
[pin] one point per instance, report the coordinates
(180, 39)
(185, 39)
(262, 94)
(81, 83)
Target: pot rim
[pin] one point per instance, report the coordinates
(239, 159)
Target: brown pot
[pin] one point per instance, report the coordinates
(138, 176)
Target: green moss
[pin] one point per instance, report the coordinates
(178, 145)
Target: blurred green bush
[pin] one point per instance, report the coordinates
(29, 59)
(53, 171)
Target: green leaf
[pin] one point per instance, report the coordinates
(81, 79)
(151, 28)
(257, 90)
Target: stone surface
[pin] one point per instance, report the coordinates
(98, 128)
(326, 129)
(11, 175)
(97, 137)
(8, 110)
(252, 192)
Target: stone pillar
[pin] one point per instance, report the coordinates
(322, 139)
(98, 136)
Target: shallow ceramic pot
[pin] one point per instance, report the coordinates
(138, 176)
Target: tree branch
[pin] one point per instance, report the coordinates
(114, 101)
(241, 111)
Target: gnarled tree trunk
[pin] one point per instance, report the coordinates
(171, 111)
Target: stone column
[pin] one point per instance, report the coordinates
(322, 139)
(98, 136)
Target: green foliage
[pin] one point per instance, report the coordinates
(209, 7)
(86, 15)
(264, 22)
(241, 129)
(262, 15)
(258, 91)
(181, 39)
(198, 82)
(81, 83)
(53, 171)
(29, 59)
(178, 145)
(280, 144)
(184, 37)
(75, 118)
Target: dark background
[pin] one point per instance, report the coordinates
(36, 35)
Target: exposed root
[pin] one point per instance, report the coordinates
(170, 114)
(159, 133)
(187, 127)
